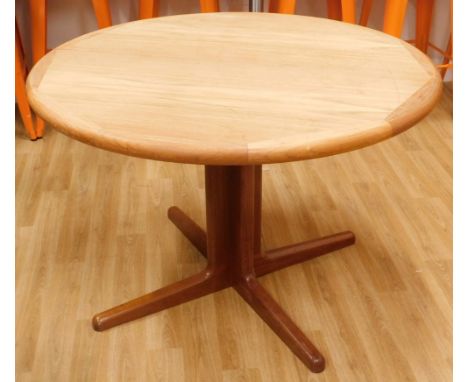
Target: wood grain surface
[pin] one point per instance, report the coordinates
(233, 88)
(92, 230)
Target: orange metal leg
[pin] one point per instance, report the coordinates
(209, 6)
(424, 9)
(20, 89)
(103, 13)
(283, 6)
(40, 127)
(348, 11)
(149, 9)
(38, 11)
(395, 11)
(449, 51)
(273, 7)
(38, 28)
(334, 9)
(365, 12)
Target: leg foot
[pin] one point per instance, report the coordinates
(297, 253)
(192, 231)
(201, 284)
(277, 319)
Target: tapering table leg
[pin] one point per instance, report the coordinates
(199, 285)
(283, 257)
(191, 230)
(277, 319)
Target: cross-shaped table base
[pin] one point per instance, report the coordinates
(232, 247)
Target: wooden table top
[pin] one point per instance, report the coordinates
(233, 88)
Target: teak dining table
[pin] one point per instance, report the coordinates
(233, 91)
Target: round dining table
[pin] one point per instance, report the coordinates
(233, 91)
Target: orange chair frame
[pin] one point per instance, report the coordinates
(394, 17)
(345, 10)
(20, 87)
(148, 9)
(38, 15)
(424, 12)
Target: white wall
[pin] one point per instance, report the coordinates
(71, 18)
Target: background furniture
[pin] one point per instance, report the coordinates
(252, 113)
(345, 10)
(393, 24)
(103, 13)
(38, 15)
(147, 9)
(20, 89)
(394, 17)
(424, 20)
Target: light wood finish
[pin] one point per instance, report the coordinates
(92, 231)
(256, 88)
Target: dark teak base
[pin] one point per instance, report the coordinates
(232, 247)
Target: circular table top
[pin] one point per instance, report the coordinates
(233, 88)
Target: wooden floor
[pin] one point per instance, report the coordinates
(92, 232)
